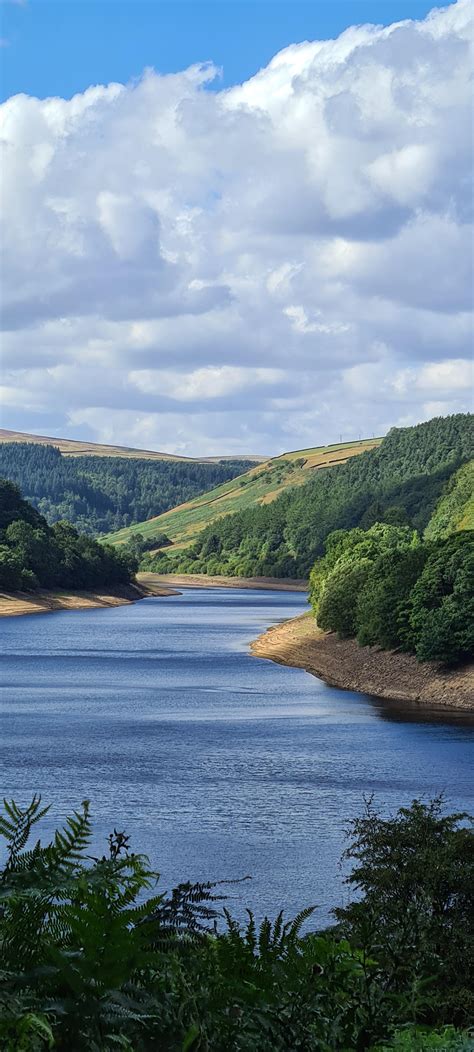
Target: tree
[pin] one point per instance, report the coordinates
(338, 605)
(441, 607)
(414, 874)
(382, 600)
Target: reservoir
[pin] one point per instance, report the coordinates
(218, 764)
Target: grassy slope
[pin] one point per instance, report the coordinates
(455, 510)
(261, 484)
(72, 448)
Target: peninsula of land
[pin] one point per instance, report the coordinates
(368, 670)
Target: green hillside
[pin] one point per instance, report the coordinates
(400, 482)
(455, 510)
(261, 485)
(99, 493)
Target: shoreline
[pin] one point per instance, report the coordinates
(342, 663)
(18, 604)
(202, 580)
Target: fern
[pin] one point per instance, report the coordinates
(95, 958)
(16, 826)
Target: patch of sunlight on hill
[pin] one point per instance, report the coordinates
(260, 485)
(455, 510)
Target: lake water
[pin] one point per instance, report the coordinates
(217, 763)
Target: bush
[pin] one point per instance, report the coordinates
(94, 958)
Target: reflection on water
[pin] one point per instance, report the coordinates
(217, 763)
(412, 712)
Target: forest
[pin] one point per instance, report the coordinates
(402, 483)
(35, 555)
(386, 587)
(384, 537)
(102, 494)
(96, 957)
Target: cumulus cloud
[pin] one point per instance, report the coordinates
(246, 269)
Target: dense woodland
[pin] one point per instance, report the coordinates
(35, 555)
(92, 963)
(386, 587)
(384, 538)
(102, 494)
(401, 482)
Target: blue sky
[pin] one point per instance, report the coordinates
(62, 47)
(247, 270)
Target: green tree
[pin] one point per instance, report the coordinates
(382, 600)
(414, 874)
(441, 606)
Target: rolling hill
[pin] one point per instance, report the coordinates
(98, 493)
(70, 447)
(260, 485)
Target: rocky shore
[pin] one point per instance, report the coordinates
(203, 580)
(16, 603)
(383, 674)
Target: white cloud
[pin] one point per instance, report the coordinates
(210, 382)
(273, 264)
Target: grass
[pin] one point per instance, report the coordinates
(260, 485)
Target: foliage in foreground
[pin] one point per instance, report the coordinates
(94, 959)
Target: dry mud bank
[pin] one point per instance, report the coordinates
(384, 674)
(202, 580)
(17, 603)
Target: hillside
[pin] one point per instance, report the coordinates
(401, 482)
(260, 485)
(455, 510)
(36, 556)
(73, 448)
(101, 493)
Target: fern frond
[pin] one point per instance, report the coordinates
(251, 932)
(298, 921)
(16, 828)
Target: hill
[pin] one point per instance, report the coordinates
(400, 482)
(71, 447)
(100, 493)
(261, 485)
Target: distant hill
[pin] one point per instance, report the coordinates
(99, 493)
(259, 486)
(70, 447)
(285, 509)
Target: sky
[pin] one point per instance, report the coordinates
(234, 227)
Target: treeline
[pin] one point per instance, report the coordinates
(103, 494)
(399, 483)
(35, 555)
(91, 962)
(386, 587)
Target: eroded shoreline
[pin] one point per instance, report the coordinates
(202, 580)
(16, 604)
(343, 663)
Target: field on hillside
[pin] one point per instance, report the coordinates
(261, 485)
